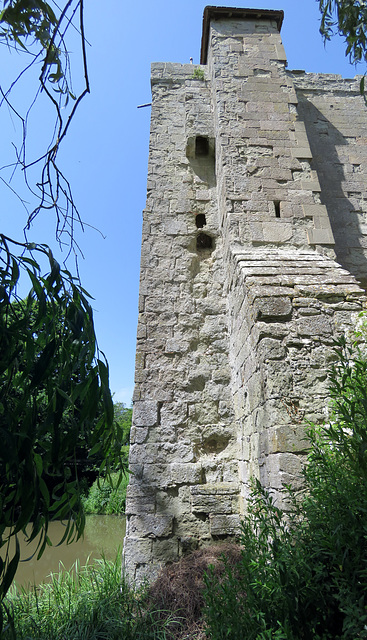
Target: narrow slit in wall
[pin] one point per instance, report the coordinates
(200, 220)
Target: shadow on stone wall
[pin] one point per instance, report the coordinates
(335, 158)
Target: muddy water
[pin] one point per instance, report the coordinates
(102, 535)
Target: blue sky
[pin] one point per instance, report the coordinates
(105, 155)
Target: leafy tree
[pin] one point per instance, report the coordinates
(123, 416)
(348, 18)
(107, 495)
(54, 390)
(54, 399)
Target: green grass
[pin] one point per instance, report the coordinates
(85, 603)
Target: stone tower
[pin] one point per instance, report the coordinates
(254, 248)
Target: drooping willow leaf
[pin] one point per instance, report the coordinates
(55, 401)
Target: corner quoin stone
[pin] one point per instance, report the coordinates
(246, 279)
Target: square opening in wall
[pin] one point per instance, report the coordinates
(204, 241)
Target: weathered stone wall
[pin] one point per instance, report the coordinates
(184, 453)
(286, 308)
(334, 114)
(240, 294)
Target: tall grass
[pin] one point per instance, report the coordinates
(85, 603)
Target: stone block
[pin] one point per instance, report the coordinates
(211, 504)
(274, 308)
(203, 195)
(150, 525)
(172, 414)
(302, 152)
(320, 236)
(144, 573)
(312, 185)
(174, 227)
(271, 349)
(145, 413)
(277, 232)
(166, 551)
(243, 471)
(255, 391)
(190, 473)
(314, 326)
(213, 498)
(216, 489)
(278, 378)
(136, 550)
(176, 345)
(155, 475)
(136, 472)
(262, 291)
(280, 53)
(293, 100)
(314, 210)
(138, 435)
(285, 439)
(139, 499)
(322, 222)
(255, 230)
(165, 452)
(283, 467)
(224, 525)
(139, 361)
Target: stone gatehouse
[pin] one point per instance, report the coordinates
(254, 255)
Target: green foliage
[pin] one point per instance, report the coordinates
(198, 74)
(82, 604)
(261, 599)
(123, 416)
(55, 404)
(348, 18)
(107, 495)
(54, 401)
(25, 24)
(303, 573)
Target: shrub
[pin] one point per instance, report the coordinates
(198, 74)
(303, 574)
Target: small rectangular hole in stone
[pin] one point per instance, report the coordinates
(277, 208)
(201, 146)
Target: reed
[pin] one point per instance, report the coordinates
(85, 603)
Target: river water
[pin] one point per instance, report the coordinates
(103, 535)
